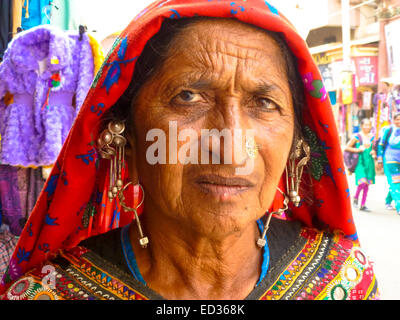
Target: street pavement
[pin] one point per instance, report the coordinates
(379, 234)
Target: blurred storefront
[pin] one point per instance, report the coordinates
(388, 98)
(369, 87)
(351, 91)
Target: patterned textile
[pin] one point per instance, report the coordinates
(9, 199)
(49, 73)
(19, 191)
(325, 267)
(7, 245)
(74, 204)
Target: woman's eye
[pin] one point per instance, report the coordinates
(267, 104)
(187, 96)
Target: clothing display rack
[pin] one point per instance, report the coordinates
(45, 74)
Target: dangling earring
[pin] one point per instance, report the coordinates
(112, 146)
(142, 240)
(295, 171)
(261, 241)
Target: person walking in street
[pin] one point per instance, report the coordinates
(362, 143)
(388, 201)
(389, 157)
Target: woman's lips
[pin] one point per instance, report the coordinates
(223, 187)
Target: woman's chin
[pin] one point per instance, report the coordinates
(221, 220)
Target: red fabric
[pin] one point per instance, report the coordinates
(79, 177)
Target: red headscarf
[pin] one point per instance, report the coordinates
(73, 204)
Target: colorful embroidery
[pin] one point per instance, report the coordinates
(100, 72)
(351, 282)
(23, 255)
(50, 221)
(287, 282)
(319, 160)
(77, 279)
(272, 8)
(175, 14)
(20, 289)
(326, 269)
(114, 72)
(45, 247)
(53, 181)
(89, 213)
(88, 157)
(97, 109)
(236, 8)
(315, 87)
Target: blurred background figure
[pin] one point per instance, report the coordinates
(389, 157)
(362, 143)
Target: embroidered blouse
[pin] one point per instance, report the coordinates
(305, 264)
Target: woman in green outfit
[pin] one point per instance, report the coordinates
(362, 142)
(389, 156)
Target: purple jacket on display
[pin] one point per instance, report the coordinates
(49, 72)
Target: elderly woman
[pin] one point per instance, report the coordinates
(143, 205)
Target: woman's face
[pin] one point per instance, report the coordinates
(366, 127)
(221, 75)
(397, 121)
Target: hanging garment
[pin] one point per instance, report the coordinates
(5, 25)
(9, 198)
(49, 72)
(7, 245)
(19, 190)
(35, 13)
(62, 102)
(16, 14)
(97, 51)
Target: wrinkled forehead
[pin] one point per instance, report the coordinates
(208, 27)
(217, 47)
(217, 34)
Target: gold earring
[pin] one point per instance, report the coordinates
(295, 170)
(112, 146)
(261, 241)
(142, 240)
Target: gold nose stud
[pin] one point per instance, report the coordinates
(251, 147)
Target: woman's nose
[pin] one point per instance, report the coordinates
(229, 133)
